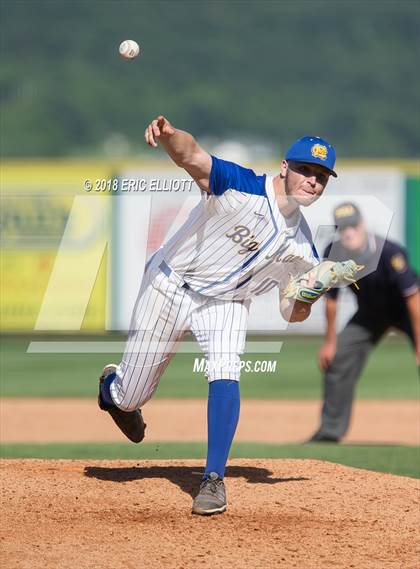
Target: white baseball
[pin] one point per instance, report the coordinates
(129, 49)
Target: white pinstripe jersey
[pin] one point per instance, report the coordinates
(236, 243)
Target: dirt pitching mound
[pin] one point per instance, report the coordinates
(282, 513)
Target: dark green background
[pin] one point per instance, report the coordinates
(265, 70)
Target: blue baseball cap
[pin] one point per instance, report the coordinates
(314, 150)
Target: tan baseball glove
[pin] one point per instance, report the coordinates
(310, 286)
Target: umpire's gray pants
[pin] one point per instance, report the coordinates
(353, 346)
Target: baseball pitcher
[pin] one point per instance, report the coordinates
(245, 236)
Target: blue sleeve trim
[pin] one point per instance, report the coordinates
(226, 175)
(327, 251)
(307, 233)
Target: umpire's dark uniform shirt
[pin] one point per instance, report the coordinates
(384, 283)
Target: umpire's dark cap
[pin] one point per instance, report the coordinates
(347, 214)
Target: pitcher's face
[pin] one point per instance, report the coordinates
(304, 182)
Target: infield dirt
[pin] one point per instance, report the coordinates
(53, 420)
(304, 514)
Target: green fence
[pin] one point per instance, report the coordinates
(413, 221)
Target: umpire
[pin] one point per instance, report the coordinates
(387, 297)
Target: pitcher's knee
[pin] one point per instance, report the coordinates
(135, 384)
(127, 405)
(129, 402)
(129, 392)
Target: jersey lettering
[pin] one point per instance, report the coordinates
(240, 232)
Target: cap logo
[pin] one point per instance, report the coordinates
(344, 211)
(319, 151)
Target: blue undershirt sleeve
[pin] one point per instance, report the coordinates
(227, 175)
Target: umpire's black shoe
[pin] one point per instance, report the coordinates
(129, 422)
(320, 438)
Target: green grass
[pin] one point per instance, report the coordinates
(391, 372)
(401, 460)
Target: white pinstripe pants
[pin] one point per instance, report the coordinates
(164, 311)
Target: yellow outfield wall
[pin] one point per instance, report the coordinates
(36, 199)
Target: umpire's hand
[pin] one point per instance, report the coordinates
(326, 355)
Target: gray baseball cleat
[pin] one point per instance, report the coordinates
(211, 499)
(129, 422)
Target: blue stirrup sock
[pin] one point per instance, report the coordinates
(105, 393)
(222, 419)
